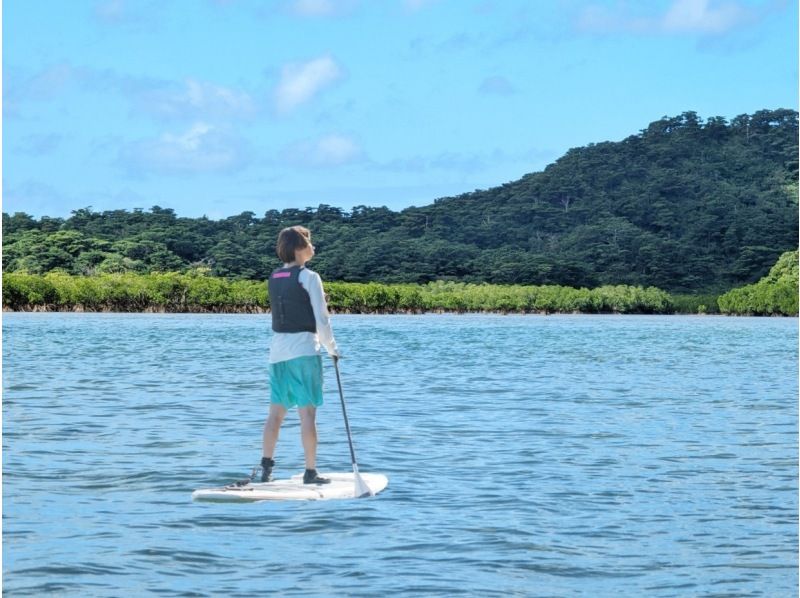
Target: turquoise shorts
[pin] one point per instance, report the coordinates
(296, 382)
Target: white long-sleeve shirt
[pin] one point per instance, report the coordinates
(288, 345)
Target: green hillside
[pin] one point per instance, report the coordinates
(685, 205)
(775, 294)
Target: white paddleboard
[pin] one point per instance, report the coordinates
(342, 486)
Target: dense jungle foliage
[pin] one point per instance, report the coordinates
(775, 294)
(175, 292)
(685, 205)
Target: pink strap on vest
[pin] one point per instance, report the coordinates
(281, 275)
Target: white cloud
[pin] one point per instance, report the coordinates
(21, 87)
(39, 144)
(110, 10)
(139, 14)
(189, 100)
(39, 198)
(35, 198)
(468, 163)
(329, 150)
(202, 148)
(705, 17)
(496, 85)
(458, 162)
(335, 149)
(194, 100)
(300, 82)
(702, 17)
(47, 83)
(415, 5)
(321, 8)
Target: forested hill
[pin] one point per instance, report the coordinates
(685, 205)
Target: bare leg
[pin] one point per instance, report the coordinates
(308, 431)
(272, 428)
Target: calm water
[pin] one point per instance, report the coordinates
(527, 456)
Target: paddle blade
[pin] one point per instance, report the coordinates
(361, 488)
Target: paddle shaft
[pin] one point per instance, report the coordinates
(344, 413)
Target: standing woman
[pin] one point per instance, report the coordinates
(301, 325)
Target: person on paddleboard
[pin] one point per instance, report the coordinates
(301, 326)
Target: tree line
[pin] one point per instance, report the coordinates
(685, 205)
(775, 294)
(176, 292)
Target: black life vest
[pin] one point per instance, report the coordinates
(289, 302)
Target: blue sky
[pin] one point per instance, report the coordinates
(217, 107)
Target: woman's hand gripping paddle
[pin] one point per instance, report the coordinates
(361, 488)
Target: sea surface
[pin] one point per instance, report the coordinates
(569, 455)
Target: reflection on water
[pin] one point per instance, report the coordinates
(527, 455)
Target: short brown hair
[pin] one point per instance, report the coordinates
(290, 240)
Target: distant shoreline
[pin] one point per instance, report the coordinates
(173, 292)
(437, 312)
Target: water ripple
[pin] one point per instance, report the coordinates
(527, 456)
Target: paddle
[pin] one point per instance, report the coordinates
(361, 488)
